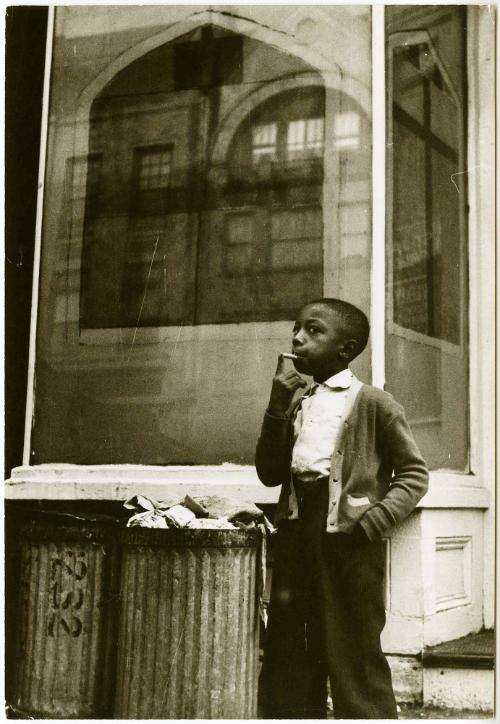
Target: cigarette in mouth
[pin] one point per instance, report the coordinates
(289, 355)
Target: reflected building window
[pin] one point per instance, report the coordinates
(297, 237)
(264, 142)
(153, 168)
(346, 131)
(85, 176)
(354, 230)
(239, 243)
(83, 185)
(305, 138)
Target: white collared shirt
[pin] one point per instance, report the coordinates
(316, 426)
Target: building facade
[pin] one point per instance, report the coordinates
(209, 169)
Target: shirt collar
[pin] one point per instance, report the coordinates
(341, 380)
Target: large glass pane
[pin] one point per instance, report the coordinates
(426, 295)
(207, 174)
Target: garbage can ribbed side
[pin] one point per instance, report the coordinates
(188, 641)
(64, 666)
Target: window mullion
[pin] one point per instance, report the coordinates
(30, 393)
(378, 197)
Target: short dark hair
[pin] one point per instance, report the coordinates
(355, 321)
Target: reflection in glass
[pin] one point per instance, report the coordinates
(426, 346)
(347, 129)
(264, 142)
(305, 138)
(203, 182)
(153, 168)
(158, 191)
(423, 245)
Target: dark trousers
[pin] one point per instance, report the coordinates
(326, 615)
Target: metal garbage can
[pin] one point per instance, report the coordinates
(189, 624)
(68, 597)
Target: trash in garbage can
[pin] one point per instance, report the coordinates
(67, 614)
(189, 624)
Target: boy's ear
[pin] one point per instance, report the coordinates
(349, 349)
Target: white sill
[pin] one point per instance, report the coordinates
(455, 490)
(119, 482)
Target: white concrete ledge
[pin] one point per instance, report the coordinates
(452, 490)
(117, 482)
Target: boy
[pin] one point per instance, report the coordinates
(350, 471)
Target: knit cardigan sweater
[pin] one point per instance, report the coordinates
(377, 473)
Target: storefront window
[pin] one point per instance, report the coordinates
(206, 175)
(426, 221)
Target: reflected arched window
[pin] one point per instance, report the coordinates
(179, 236)
(270, 202)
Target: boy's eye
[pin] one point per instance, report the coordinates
(312, 329)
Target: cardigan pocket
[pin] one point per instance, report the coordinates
(352, 508)
(357, 502)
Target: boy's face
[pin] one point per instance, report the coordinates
(320, 341)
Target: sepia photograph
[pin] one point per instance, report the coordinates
(249, 444)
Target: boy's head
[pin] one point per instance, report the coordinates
(328, 334)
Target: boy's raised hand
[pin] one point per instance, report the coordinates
(285, 385)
